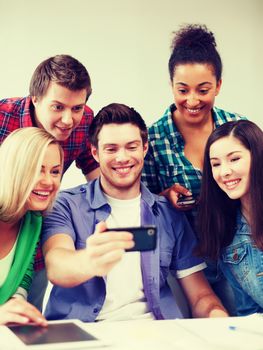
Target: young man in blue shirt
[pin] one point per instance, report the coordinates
(94, 277)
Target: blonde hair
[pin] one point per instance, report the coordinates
(21, 158)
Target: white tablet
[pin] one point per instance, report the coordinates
(68, 334)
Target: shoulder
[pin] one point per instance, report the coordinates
(158, 130)
(222, 116)
(14, 104)
(88, 115)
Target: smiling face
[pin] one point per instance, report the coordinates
(230, 162)
(120, 153)
(194, 88)
(48, 182)
(60, 110)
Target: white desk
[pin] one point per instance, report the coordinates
(190, 334)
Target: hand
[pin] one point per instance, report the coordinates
(105, 249)
(173, 193)
(20, 311)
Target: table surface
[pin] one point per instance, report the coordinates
(233, 333)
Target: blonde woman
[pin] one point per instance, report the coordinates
(31, 167)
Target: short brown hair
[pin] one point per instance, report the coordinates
(116, 113)
(63, 70)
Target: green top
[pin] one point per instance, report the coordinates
(21, 271)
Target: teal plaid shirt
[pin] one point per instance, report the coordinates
(165, 163)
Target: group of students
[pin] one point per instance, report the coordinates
(194, 150)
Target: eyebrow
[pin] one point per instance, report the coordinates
(116, 144)
(55, 166)
(229, 154)
(61, 103)
(201, 84)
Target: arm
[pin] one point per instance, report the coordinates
(69, 267)
(20, 311)
(202, 299)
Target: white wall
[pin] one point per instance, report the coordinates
(125, 47)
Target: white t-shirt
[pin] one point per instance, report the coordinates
(125, 299)
(6, 263)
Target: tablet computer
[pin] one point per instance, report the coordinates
(57, 335)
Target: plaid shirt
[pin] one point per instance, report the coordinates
(17, 113)
(165, 163)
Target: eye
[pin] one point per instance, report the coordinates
(57, 108)
(78, 109)
(56, 172)
(132, 148)
(110, 149)
(182, 91)
(234, 159)
(204, 91)
(215, 164)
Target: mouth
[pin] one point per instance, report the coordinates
(63, 129)
(123, 170)
(42, 195)
(193, 110)
(231, 184)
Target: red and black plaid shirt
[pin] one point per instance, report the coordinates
(15, 113)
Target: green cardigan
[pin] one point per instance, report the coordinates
(21, 271)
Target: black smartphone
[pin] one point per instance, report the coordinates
(186, 200)
(144, 237)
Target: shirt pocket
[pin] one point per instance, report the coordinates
(236, 258)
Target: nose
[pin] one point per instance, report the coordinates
(66, 117)
(225, 169)
(46, 179)
(192, 100)
(122, 156)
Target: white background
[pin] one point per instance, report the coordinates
(125, 45)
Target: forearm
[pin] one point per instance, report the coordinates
(208, 305)
(67, 268)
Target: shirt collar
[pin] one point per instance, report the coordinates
(97, 199)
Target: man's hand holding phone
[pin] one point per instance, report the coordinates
(106, 248)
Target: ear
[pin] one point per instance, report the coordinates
(34, 100)
(218, 86)
(145, 148)
(95, 153)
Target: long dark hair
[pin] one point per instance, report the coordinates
(216, 218)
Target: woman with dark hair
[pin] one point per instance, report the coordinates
(230, 220)
(174, 163)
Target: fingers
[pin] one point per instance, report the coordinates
(105, 248)
(20, 311)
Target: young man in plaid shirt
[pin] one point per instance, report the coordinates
(59, 89)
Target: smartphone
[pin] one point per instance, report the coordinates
(186, 200)
(144, 237)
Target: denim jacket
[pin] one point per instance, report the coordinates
(242, 264)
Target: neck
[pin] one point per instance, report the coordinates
(204, 124)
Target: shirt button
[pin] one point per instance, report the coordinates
(95, 310)
(82, 189)
(235, 255)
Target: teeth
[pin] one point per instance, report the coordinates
(123, 170)
(231, 183)
(42, 193)
(193, 110)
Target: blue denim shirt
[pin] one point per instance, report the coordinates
(78, 210)
(242, 264)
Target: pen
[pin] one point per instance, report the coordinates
(245, 330)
